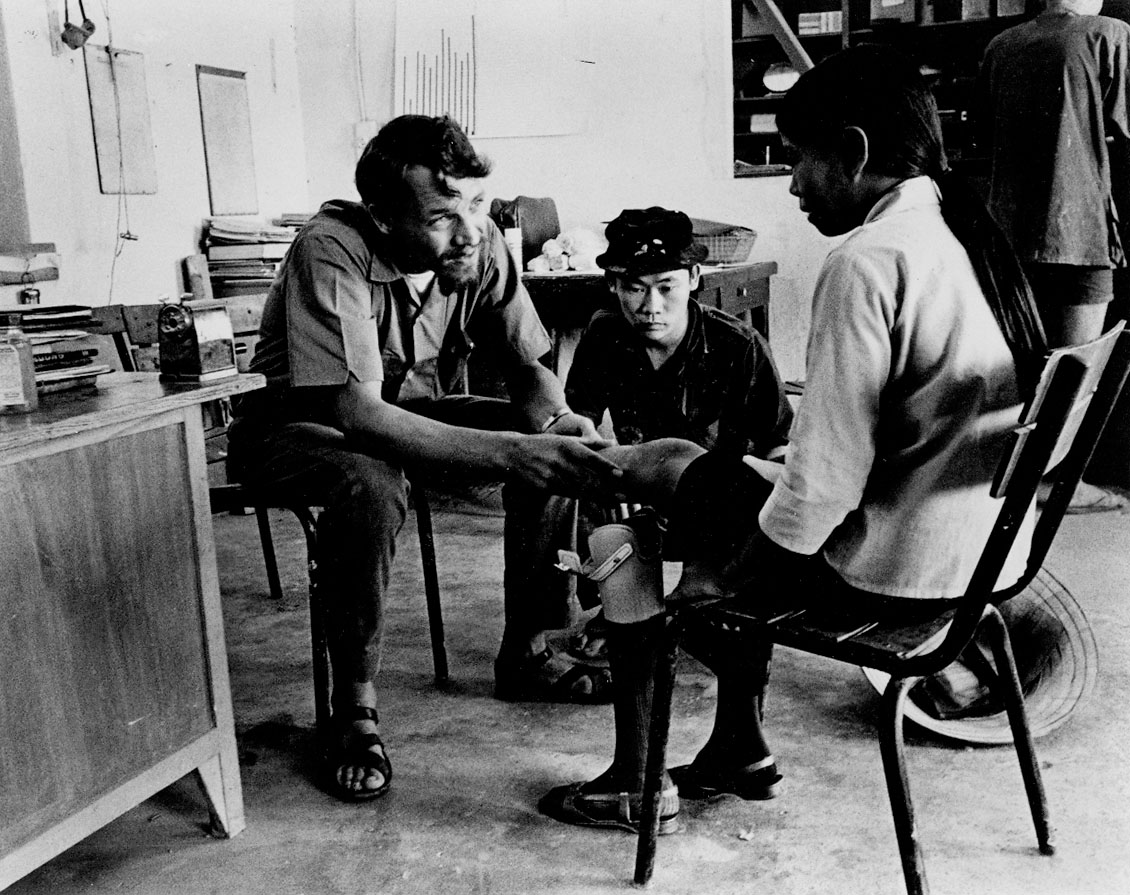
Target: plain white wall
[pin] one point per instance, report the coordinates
(63, 202)
(319, 76)
(659, 131)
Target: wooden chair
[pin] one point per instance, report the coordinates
(236, 497)
(1059, 430)
(133, 330)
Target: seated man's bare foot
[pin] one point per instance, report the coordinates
(360, 764)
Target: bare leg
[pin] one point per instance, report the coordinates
(1074, 324)
(362, 776)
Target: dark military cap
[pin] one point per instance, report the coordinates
(650, 240)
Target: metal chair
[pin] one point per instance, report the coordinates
(1057, 435)
(236, 497)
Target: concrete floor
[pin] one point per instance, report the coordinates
(461, 816)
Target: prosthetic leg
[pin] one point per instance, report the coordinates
(626, 564)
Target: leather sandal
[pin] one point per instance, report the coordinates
(755, 782)
(590, 645)
(570, 804)
(358, 750)
(551, 677)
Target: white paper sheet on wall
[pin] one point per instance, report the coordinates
(119, 111)
(225, 117)
(502, 68)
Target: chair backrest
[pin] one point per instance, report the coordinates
(1057, 433)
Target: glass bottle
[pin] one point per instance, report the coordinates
(17, 368)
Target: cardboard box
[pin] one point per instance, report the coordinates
(893, 11)
(975, 9)
(958, 10)
(829, 22)
(934, 11)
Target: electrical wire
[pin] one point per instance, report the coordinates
(121, 236)
(359, 69)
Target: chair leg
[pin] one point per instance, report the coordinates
(1013, 698)
(656, 753)
(269, 559)
(318, 644)
(431, 582)
(893, 749)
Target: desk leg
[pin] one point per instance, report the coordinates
(219, 774)
(221, 787)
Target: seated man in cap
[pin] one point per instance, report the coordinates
(662, 365)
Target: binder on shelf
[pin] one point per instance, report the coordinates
(236, 288)
(273, 251)
(53, 317)
(234, 230)
(53, 360)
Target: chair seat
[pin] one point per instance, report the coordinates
(858, 637)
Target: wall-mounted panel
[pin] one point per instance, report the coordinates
(119, 111)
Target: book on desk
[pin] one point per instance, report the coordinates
(65, 351)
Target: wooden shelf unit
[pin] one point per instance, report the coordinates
(949, 50)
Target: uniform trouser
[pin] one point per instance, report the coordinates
(364, 500)
(565, 523)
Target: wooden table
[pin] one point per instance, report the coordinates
(113, 673)
(566, 301)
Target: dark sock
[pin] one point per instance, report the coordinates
(741, 664)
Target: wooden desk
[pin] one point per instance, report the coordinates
(566, 301)
(113, 673)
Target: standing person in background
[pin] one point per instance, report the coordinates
(1111, 462)
(1054, 115)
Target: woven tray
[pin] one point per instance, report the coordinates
(725, 243)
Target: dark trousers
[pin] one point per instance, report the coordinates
(364, 500)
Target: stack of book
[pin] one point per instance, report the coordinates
(65, 353)
(294, 220)
(243, 256)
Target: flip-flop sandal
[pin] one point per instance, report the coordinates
(755, 782)
(542, 679)
(611, 810)
(1100, 500)
(356, 750)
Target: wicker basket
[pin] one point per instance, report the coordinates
(725, 243)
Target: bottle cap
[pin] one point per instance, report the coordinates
(11, 318)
